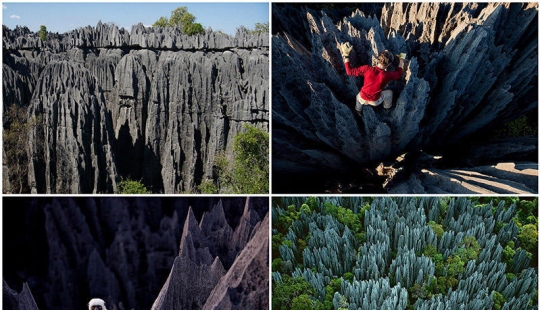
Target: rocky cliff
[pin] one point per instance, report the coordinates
(124, 250)
(472, 67)
(151, 104)
(198, 279)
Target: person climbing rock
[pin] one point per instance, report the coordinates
(375, 78)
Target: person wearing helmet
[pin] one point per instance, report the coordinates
(375, 78)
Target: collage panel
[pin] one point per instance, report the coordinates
(405, 98)
(404, 252)
(97, 102)
(68, 253)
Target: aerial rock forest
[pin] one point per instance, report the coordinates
(136, 253)
(102, 104)
(403, 253)
(469, 82)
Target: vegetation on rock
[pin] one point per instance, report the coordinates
(260, 28)
(249, 174)
(15, 137)
(128, 186)
(43, 33)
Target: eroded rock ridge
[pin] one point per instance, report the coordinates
(472, 67)
(152, 104)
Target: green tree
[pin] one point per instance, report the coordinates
(251, 171)
(161, 22)
(528, 238)
(345, 216)
(498, 300)
(208, 187)
(285, 292)
(260, 28)
(437, 229)
(193, 29)
(43, 33)
(180, 17)
(15, 137)
(249, 174)
(302, 302)
(132, 187)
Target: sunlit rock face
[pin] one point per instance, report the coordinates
(151, 104)
(472, 67)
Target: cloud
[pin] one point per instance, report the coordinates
(15, 17)
(4, 7)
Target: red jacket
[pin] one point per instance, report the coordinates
(375, 79)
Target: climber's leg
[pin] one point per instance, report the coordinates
(359, 105)
(386, 96)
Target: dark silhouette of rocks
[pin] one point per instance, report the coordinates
(125, 250)
(154, 104)
(13, 301)
(472, 68)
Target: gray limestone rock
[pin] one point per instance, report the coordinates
(465, 76)
(199, 280)
(503, 178)
(70, 145)
(167, 103)
(245, 284)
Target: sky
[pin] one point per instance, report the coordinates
(65, 16)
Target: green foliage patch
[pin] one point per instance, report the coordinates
(249, 173)
(128, 186)
(180, 17)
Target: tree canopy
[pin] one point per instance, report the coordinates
(180, 17)
(43, 33)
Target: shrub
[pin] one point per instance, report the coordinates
(15, 137)
(132, 187)
(251, 171)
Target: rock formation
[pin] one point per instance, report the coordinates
(123, 249)
(246, 275)
(152, 104)
(13, 301)
(198, 279)
(472, 67)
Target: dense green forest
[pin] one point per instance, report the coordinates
(404, 253)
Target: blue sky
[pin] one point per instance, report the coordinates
(64, 16)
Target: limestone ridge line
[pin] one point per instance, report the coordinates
(463, 78)
(110, 36)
